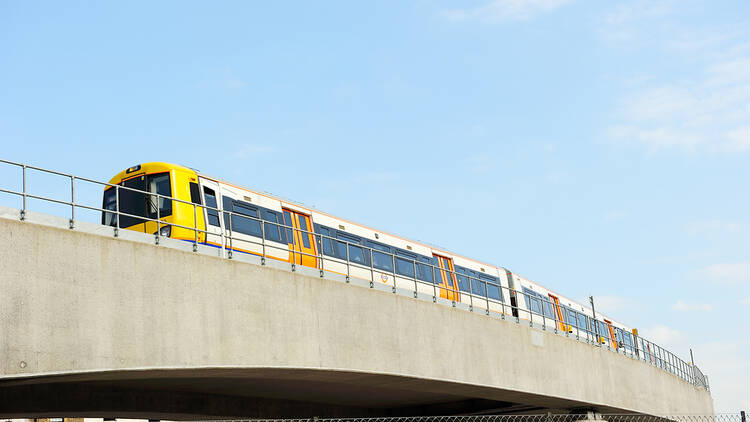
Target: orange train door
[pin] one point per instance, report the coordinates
(611, 329)
(446, 278)
(300, 239)
(558, 313)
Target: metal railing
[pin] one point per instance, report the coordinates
(458, 289)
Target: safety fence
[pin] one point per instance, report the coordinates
(272, 239)
(549, 417)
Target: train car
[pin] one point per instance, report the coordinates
(539, 304)
(169, 200)
(174, 201)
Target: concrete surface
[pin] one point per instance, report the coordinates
(90, 324)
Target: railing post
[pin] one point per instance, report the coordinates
(195, 226)
(23, 210)
(348, 264)
(372, 270)
(231, 238)
(263, 242)
(393, 265)
(158, 221)
(414, 264)
(72, 201)
(434, 284)
(319, 245)
(117, 210)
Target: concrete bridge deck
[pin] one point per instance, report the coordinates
(91, 324)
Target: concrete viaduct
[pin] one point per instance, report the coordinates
(97, 325)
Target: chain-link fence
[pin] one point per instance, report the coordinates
(591, 416)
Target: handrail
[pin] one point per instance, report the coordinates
(639, 348)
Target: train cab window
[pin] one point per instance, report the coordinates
(110, 203)
(272, 231)
(132, 202)
(159, 184)
(211, 206)
(195, 193)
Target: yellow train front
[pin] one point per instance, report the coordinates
(144, 200)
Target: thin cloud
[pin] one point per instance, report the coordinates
(609, 304)
(727, 273)
(691, 307)
(504, 10)
(745, 301)
(626, 21)
(664, 336)
(710, 112)
(706, 110)
(700, 227)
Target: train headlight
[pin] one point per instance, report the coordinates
(166, 231)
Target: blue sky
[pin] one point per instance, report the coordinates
(599, 148)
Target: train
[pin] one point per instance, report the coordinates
(175, 201)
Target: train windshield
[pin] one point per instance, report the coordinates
(139, 205)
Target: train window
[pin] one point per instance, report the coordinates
(424, 272)
(382, 261)
(378, 246)
(603, 331)
(339, 249)
(478, 287)
(272, 231)
(584, 322)
(572, 318)
(227, 206)
(288, 225)
(463, 280)
(404, 267)
(304, 231)
(548, 310)
(348, 238)
(405, 254)
(211, 212)
(195, 193)
(324, 242)
(627, 339)
(243, 224)
(493, 292)
(532, 301)
(356, 254)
